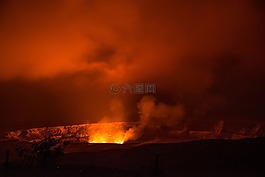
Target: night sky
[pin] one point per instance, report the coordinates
(59, 57)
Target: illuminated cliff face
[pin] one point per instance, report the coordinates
(119, 133)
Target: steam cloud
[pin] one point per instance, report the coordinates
(154, 117)
(57, 59)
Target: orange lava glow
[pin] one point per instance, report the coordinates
(107, 133)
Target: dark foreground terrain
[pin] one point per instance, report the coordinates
(207, 158)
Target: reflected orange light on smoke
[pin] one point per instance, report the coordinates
(107, 133)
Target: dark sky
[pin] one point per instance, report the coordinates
(58, 58)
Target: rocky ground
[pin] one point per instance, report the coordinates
(213, 158)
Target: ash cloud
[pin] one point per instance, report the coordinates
(208, 56)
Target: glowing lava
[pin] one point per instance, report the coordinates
(107, 133)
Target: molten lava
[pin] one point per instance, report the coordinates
(107, 133)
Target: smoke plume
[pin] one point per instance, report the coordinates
(58, 59)
(155, 117)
